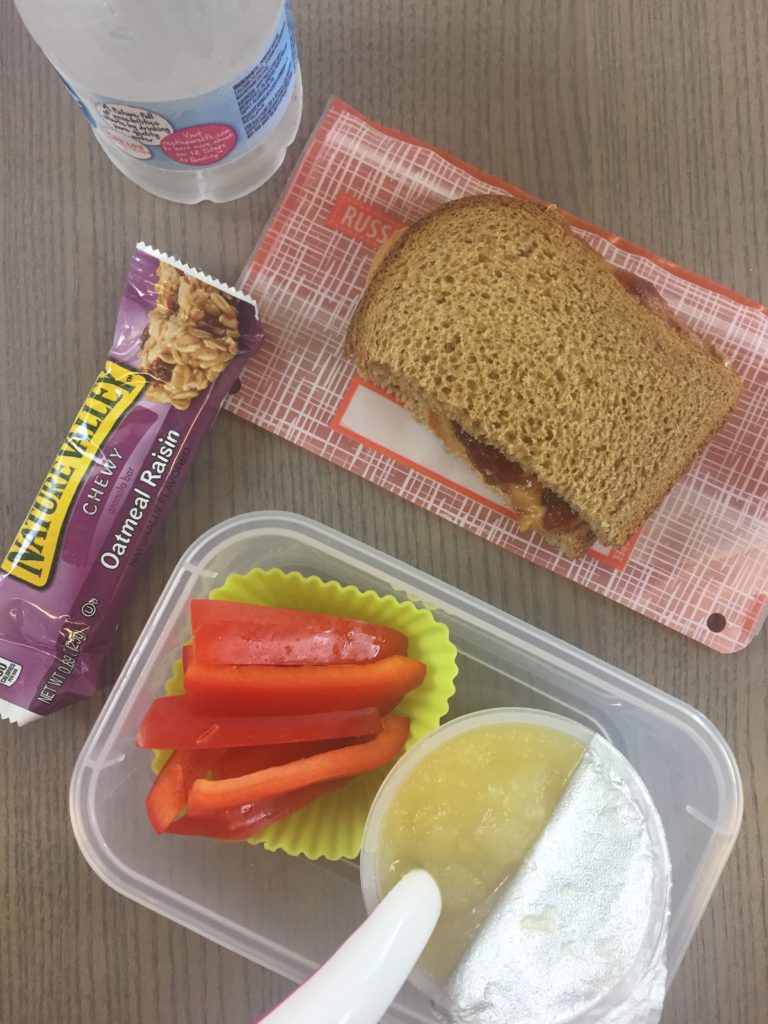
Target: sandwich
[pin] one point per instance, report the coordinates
(568, 384)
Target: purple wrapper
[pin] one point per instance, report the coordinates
(180, 343)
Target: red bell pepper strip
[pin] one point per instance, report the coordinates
(187, 654)
(238, 823)
(268, 690)
(245, 760)
(232, 633)
(207, 796)
(169, 792)
(170, 723)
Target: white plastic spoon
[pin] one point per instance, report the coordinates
(360, 981)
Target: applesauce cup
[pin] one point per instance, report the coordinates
(652, 943)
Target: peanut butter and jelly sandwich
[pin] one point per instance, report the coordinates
(568, 384)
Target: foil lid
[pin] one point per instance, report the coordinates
(580, 930)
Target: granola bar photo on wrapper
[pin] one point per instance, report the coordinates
(191, 337)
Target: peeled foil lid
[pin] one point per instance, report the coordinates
(579, 932)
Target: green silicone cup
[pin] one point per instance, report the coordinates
(332, 826)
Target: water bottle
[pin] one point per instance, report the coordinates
(190, 99)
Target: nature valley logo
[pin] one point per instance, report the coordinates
(33, 553)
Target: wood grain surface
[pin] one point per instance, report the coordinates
(648, 118)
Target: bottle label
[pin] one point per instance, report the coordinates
(208, 129)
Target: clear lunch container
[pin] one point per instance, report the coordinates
(289, 913)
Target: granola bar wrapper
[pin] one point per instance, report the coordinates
(181, 341)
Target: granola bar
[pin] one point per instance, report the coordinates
(76, 555)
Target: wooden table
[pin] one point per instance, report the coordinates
(644, 117)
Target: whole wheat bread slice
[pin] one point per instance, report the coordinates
(491, 314)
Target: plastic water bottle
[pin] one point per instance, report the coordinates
(190, 99)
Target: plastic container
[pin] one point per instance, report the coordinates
(290, 914)
(657, 908)
(189, 101)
